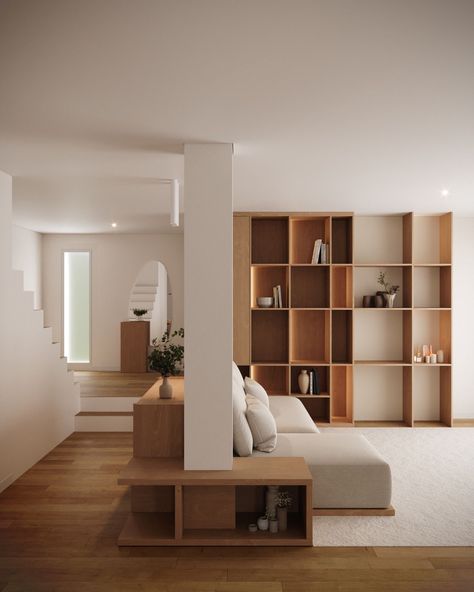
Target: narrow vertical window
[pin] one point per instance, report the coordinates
(77, 306)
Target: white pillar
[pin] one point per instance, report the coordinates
(208, 306)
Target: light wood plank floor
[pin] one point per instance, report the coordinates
(114, 384)
(60, 521)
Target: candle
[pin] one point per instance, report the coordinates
(433, 359)
(440, 356)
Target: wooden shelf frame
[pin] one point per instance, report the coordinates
(314, 334)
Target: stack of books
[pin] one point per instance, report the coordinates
(314, 385)
(320, 252)
(277, 299)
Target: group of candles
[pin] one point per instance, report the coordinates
(427, 356)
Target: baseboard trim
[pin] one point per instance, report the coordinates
(463, 423)
(390, 511)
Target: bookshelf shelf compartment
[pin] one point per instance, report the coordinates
(310, 337)
(341, 394)
(274, 379)
(317, 407)
(432, 286)
(389, 339)
(270, 240)
(270, 337)
(365, 283)
(310, 287)
(341, 287)
(323, 377)
(341, 337)
(264, 279)
(433, 327)
(432, 394)
(432, 239)
(341, 239)
(304, 231)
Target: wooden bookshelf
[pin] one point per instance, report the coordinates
(363, 356)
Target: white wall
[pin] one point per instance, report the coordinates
(38, 400)
(208, 306)
(463, 317)
(116, 262)
(26, 257)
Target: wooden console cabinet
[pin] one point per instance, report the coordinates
(134, 342)
(171, 506)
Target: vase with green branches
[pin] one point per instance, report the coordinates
(166, 357)
(139, 313)
(389, 290)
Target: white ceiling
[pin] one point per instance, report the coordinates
(363, 105)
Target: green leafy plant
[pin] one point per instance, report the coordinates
(165, 355)
(389, 288)
(139, 312)
(284, 499)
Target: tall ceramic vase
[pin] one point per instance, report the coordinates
(166, 389)
(303, 381)
(271, 501)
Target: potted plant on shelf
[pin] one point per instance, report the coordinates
(389, 290)
(139, 313)
(165, 358)
(284, 502)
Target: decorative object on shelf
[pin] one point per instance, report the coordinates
(284, 501)
(314, 385)
(432, 356)
(271, 500)
(139, 313)
(262, 523)
(316, 251)
(277, 298)
(303, 381)
(367, 301)
(273, 525)
(165, 358)
(320, 252)
(253, 527)
(265, 302)
(378, 299)
(390, 290)
(418, 358)
(440, 356)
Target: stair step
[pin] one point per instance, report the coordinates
(104, 421)
(102, 413)
(108, 404)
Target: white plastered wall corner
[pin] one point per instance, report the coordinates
(38, 399)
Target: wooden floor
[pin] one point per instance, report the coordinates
(114, 384)
(59, 525)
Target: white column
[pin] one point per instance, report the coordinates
(208, 306)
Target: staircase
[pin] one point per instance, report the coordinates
(107, 400)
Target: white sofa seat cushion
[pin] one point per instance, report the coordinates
(347, 471)
(243, 441)
(262, 425)
(290, 415)
(254, 388)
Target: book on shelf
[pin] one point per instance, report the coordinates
(324, 253)
(314, 384)
(277, 298)
(316, 251)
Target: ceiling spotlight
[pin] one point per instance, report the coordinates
(114, 225)
(174, 203)
(445, 192)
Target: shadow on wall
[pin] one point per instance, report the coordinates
(152, 292)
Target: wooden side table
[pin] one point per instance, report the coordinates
(134, 342)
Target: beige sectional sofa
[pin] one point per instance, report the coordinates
(348, 472)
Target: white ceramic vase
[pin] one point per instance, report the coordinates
(262, 523)
(303, 381)
(166, 389)
(389, 300)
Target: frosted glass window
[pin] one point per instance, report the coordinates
(77, 306)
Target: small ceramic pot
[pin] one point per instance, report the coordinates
(265, 302)
(262, 523)
(367, 301)
(378, 301)
(274, 526)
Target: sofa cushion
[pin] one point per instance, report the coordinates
(243, 442)
(254, 388)
(347, 471)
(290, 415)
(262, 425)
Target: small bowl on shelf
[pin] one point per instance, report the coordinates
(265, 302)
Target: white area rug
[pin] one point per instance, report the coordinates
(433, 491)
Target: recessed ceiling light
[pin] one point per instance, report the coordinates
(445, 192)
(114, 225)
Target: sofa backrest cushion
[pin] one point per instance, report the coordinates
(262, 425)
(243, 441)
(254, 388)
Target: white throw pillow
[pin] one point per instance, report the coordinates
(254, 388)
(262, 425)
(243, 442)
